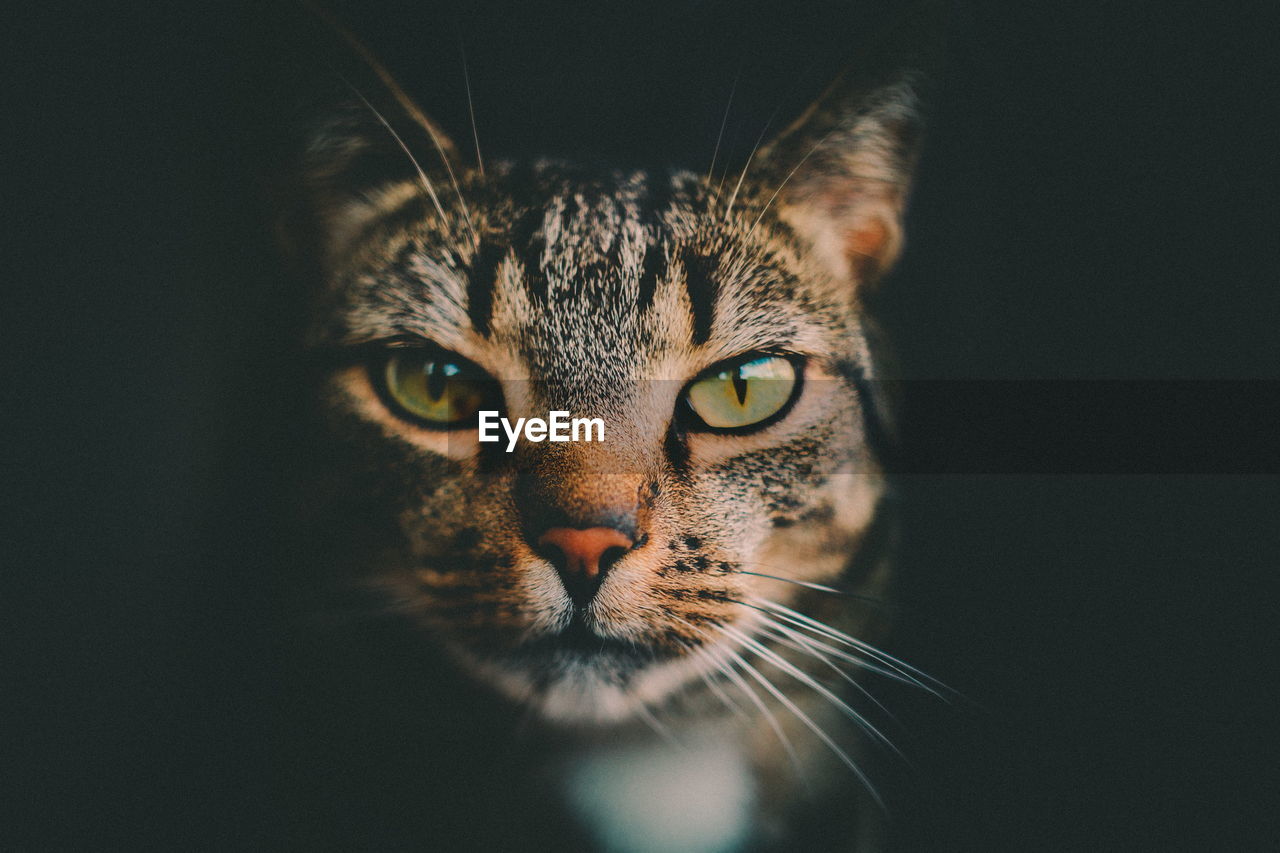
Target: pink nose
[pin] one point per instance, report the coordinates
(582, 557)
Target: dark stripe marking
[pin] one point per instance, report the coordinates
(481, 278)
(650, 269)
(700, 280)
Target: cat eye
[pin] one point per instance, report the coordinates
(744, 394)
(439, 389)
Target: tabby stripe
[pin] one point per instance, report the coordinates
(649, 272)
(703, 290)
(481, 277)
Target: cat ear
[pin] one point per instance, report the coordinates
(365, 146)
(364, 157)
(845, 166)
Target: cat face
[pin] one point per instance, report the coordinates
(716, 333)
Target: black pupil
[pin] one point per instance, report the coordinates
(740, 385)
(435, 380)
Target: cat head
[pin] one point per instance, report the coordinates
(715, 328)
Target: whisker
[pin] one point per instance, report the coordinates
(466, 211)
(809, 681)
(422, 175)
(895, 674)
(406, 103)
(771, 719)
(782, 101)
(466, 76)
(906, 669)
(725, 699)
(745, 167)
(646, 715)
(861, 663)
(869, 599)
(723, 121)
(790, 175)
(763, 132)
(801, 643)
(811, 725)
(729, 672)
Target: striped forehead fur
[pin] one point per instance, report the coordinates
(591, 259)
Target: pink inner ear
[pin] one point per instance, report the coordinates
(868, 238)
(868, 246)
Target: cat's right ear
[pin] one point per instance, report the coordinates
(355, 162)
(358, 146)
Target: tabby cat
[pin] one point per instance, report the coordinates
(655, 609)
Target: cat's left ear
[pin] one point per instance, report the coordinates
(845, 166)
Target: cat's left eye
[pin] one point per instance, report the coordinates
(439, 389)
(743, 394)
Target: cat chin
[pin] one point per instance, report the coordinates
(587, 692)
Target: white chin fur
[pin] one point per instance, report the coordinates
(585, 693)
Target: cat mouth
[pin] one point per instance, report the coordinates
(577, 675)
(579, 643)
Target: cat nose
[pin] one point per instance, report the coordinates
(583, 556)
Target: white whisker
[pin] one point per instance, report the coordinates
(923, 679)
(422, 175)
(809, 681)
(806, 646)
(647, 716)
(820, 588)
(729, 672)
(772, 721)
(444, 158)
(405, 102)
(862, 663)
(725, 699)
(811, 725)
(745, 167)
(790, 175)
(723, 121)
(475, 134)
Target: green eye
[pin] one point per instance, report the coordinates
(441, 389)
(744, 393)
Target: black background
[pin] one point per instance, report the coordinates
(1084, 558)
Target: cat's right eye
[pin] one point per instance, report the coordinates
(438, 389)
(743, 394)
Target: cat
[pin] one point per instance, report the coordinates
(656, 611)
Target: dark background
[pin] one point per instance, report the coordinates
(1087, 302)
